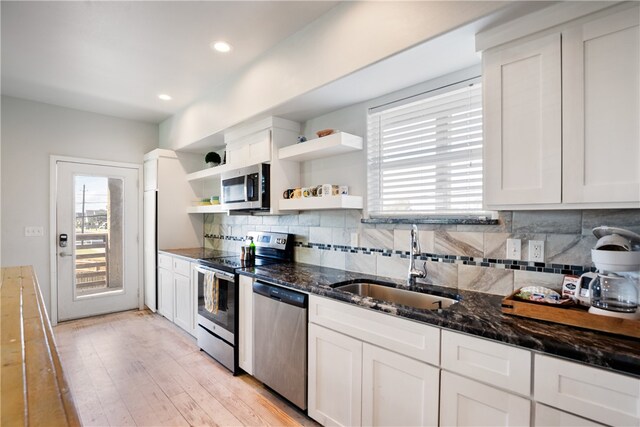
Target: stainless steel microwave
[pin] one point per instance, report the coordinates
(246, 188)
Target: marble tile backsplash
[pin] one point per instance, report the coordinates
(464, 256)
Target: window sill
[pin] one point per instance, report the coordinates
(467, 221)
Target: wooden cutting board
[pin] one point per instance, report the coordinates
(571, 315)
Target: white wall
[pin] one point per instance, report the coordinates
(351, 36)
(33, 131)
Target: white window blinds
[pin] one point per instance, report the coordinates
(425, 154)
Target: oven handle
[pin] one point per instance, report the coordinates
(221, 274)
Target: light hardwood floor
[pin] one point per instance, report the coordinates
(137, 368)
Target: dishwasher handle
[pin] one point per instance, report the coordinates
(279, 294)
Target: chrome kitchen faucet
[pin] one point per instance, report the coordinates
(414, 251)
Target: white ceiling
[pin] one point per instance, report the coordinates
(114, 58)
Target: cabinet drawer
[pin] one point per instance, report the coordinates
(497, 364)
(181, 266)
(165, 261)
(550, 417)
(594, 393)
(412, 339)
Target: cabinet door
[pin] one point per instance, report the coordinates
(335, 377)
(397, 390)
(165, 293)
(601, 122)
(465, 402)
(150, 250)
(550, 417)
(522, 125)
(245, 326)
(597, 394)
(182, 302)
(260, 148)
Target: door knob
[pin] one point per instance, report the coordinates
(64, 254)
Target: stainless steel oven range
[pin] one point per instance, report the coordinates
(218, 280)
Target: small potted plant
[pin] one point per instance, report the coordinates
(212, 159)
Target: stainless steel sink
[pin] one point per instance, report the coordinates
(398, 296)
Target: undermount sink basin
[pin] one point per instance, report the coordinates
(398, 296)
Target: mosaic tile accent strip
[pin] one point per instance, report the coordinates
(508, 264)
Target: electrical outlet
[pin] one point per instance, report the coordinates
(354, 240)
(536, 250)
(33, 231)
(514, 249)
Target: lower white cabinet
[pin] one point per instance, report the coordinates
(397, 390)
(177, 292)
(245, 324)
(165, 293)
(335, 377)
(183, 302)
(593, 393)
(367, 368)
(464, 402)
(550, 417)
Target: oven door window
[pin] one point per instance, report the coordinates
(226, 303)
(233, 190)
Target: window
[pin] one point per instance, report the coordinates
(425, 154)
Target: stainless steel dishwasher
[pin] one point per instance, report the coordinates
(280, 341)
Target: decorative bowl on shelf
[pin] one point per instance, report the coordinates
(325, 132)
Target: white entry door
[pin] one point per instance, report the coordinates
(97, 221)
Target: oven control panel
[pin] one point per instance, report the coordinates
(268, 239)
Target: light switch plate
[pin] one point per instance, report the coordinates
(33, 231)
(514, 249)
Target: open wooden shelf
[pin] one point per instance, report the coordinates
(331, 145)
(315, 203)
(210, 172)
(206, 209)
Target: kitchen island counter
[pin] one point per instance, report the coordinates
(477, 314)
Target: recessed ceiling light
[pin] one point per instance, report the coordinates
(164, 97)
(221, 46)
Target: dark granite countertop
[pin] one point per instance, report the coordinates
(197, 253)
(477, 314)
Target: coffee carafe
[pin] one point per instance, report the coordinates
(614, 289)
(615, 295)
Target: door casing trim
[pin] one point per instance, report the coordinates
(53, 251)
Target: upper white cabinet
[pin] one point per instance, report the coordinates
(523, 129)
(562, 116)
(601, 92)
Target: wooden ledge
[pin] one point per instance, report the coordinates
(34, 390)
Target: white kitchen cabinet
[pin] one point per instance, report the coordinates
(562, 116)
(183, 302)
(597, 394)
(368, 368)
(546, 416)
(335, 377)
(522, 123)
(245, 324)
(465, 402)
(165, 293)
(397, 390)
(497, 364)
(601, 109)
(177, 291)
(413, 339)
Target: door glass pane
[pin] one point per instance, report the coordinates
(98, 234)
